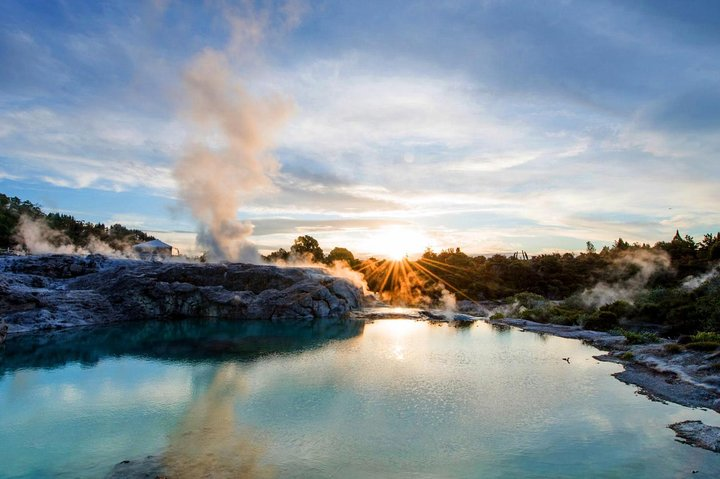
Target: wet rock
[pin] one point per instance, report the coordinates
(149, 468)
(56, 265)
(3, 332)
(57, 291)
(698, 434)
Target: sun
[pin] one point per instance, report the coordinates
(396, 243)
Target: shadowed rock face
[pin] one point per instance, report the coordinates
(56, 291)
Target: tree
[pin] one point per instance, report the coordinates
(341, 254)
(621, 244)
(279, 255)
(590, 248)
(307, 246)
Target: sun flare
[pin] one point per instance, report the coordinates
(398, 243)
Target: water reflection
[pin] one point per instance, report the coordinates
(402, 399)
(178, 340)
(500, 328)
(211, 441)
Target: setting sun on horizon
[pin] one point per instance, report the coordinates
(396, 243)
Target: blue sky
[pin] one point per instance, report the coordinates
(489, 125)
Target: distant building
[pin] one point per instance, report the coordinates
(153, 249)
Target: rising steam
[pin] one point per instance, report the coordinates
(694, 282)
(35, 236)
(228, 157)
(646, 263)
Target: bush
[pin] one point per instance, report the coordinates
(527, 300)
(631, 337)
(703, 346)
(601, 321)
(627, 356)
(621, 308)
(673, 348)
(497, 316)
(553, 314)
(706, 336)
(640, 338)
(564, 316)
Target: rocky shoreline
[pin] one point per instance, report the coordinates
(686, 378)
(679, 378)
(47, 292)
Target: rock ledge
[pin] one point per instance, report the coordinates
(57, 291)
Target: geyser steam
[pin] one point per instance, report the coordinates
(228, 158)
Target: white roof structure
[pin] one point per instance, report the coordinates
(154, 244)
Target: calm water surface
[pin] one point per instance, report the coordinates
(392, 398)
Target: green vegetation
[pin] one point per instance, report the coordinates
(342, 254)
(628, 285)
(632, 337)
(627, 356)
(706, 336)
(307, 247)
(65, 230)
(703, 345)
(673, 348)
(601, 321)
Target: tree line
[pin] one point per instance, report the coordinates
(72, 231)
(549, 287)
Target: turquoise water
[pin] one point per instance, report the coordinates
(391, 398)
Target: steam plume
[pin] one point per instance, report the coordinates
(36, 237)
(694, 282)
(647, 263)
(227, 161)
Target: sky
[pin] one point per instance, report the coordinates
(493, 126)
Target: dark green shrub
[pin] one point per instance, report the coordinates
(626, 356)
(632, 337)
(703, 346)
(564, 316)
(601, 321)
(553, 314)
(532, 315)
(705, 336)
(673, 348)
(527, 300)
(621, 308)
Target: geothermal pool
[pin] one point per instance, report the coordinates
(390, 398)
